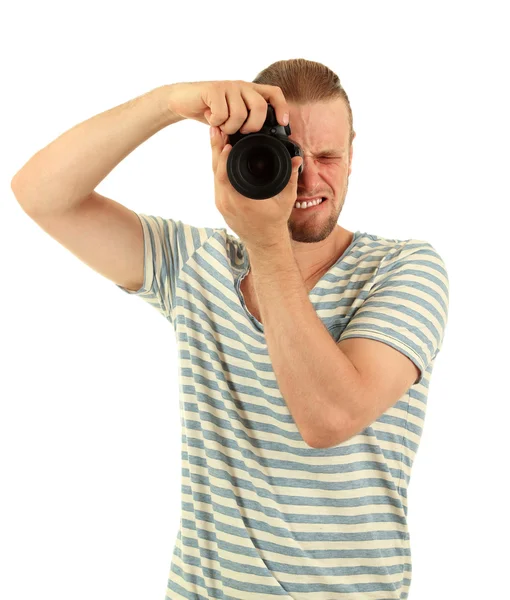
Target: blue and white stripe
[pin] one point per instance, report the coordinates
(264, 515)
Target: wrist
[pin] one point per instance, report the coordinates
(268, 250)
(162, 95)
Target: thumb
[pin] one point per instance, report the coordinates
(297, 161)
(218, 138)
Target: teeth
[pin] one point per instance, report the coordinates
(307, 204)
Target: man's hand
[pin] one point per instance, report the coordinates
(258, 223)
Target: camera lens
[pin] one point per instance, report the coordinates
(261, 164)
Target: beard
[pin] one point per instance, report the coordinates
(316, 227)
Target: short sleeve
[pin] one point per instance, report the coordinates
(407, 307)
(168, 245)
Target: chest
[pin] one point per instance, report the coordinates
(250, 296)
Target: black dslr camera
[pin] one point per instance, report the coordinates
(259, 163)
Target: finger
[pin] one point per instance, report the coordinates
(296, 161)
(294, 176)
(221, 165)
(274, 95)
(217, 145)
(238, 113)
(218, 111)
(257, 108)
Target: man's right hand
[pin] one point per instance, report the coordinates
(229, 105)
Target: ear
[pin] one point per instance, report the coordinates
(350, 155)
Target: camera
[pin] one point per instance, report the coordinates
(259, 164)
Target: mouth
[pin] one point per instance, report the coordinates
(314, 207)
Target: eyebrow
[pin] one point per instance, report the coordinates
(330, 152)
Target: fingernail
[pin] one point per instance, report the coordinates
(212, 131)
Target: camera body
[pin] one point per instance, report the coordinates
(259, 164)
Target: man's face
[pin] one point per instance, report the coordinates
(319, 127)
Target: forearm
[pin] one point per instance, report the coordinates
(67, 170)
(313, 374)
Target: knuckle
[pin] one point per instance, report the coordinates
(263, 106)
(239, 113)
(281, 94)
(221, 114)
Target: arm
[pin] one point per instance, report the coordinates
(56, 187)
(310, 368)
(62, 174)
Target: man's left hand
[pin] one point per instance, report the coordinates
(258, 223)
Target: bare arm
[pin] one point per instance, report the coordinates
(62, 174)
(56, 187)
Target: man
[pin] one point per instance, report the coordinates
(305, 358)
(304, 375)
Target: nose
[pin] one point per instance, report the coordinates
(309, 178)
(309, 165)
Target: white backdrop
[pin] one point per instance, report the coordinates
(89, 428)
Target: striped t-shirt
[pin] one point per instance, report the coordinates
(264, 515)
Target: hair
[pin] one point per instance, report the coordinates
(304, 81)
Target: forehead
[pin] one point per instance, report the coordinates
(320, 126)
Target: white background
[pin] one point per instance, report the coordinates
(89, 428)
